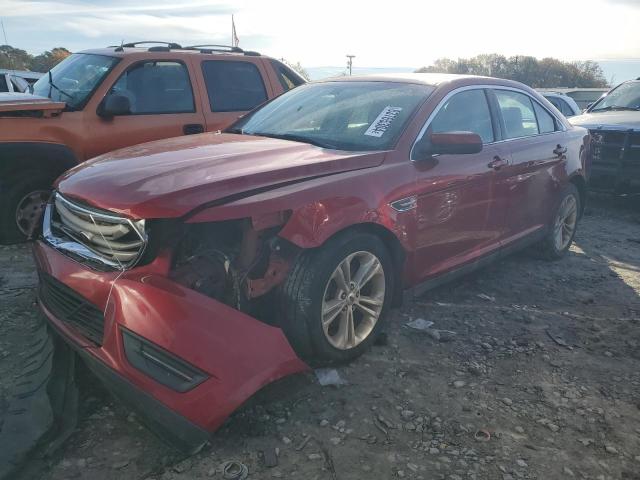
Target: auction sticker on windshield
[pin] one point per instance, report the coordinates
(383, 121)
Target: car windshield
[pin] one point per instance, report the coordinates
(354, 116)
(74, 79)
(624, 97)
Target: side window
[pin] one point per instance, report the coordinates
(517, 113)
(233, 86)
(287, 77)
(156, 87)
(466, 111)
(546, 123)
(556, 102)
(566, 109)
(3, 84)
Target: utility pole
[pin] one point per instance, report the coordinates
(350, 62)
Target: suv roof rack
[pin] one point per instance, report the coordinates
(167, 45)
(214, 47)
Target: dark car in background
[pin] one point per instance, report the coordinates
(564, 103)
(614, 125)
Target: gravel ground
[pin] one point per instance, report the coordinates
(538, 380)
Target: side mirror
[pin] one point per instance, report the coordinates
(448, 143)
(114, 104)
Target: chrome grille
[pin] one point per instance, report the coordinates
(94, 235)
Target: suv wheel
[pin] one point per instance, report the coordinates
(22, 199)
(336, 298)
(563, 228)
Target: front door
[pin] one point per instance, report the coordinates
(459, 216)
(163, 105)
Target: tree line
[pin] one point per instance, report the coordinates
(17, 59)
(544, 73)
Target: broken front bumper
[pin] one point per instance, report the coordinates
(184, 360)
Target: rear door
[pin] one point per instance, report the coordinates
(164, 104)
(232, 87)
(460, 217)
(536, 142)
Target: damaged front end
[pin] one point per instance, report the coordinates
(234, 262)
(176, 318)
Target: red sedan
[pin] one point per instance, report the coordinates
(190, 272)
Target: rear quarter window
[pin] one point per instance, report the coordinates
(286, 76)
(233, 86)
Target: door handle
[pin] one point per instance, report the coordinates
(559, 150)
(193, 128)
(497, 163)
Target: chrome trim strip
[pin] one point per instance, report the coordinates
(78, 247)
(484, 87)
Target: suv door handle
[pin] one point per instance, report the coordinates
(497, 163)
(559, 150)
(193, 128)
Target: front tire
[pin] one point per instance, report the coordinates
(563, 228)
(335, 299)
(22, 198)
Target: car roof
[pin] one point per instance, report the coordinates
(431, 79)
(554, 94)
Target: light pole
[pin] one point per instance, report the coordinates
(350, 62)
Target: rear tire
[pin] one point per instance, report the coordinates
(330, 320)
(18, 203)
(562, 229)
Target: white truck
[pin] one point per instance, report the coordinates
(17, 80)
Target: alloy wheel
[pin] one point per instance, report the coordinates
(565, 224)
(353, 300)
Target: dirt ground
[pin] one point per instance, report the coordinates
(540, 380)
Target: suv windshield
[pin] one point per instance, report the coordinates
(351, 116)
(74, 79)
(625, 96)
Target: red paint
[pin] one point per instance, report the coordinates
(240, 353)
(467, 206)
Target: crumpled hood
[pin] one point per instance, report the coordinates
(15, 102)
(169, 178)
(619, 120)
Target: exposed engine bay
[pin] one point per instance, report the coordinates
(234, 263)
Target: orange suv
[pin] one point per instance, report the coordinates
(100, 100)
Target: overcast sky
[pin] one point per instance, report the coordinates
(380, 34)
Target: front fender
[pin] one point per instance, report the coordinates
(339, 202)
(39, 155)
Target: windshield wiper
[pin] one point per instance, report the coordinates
(615, 107)
(295, 138)
(58, 88)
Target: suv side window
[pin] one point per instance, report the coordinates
(465, 111)
(3, 83)
(286, 76)
(156, 87)
(517, 113)
(233, 86)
